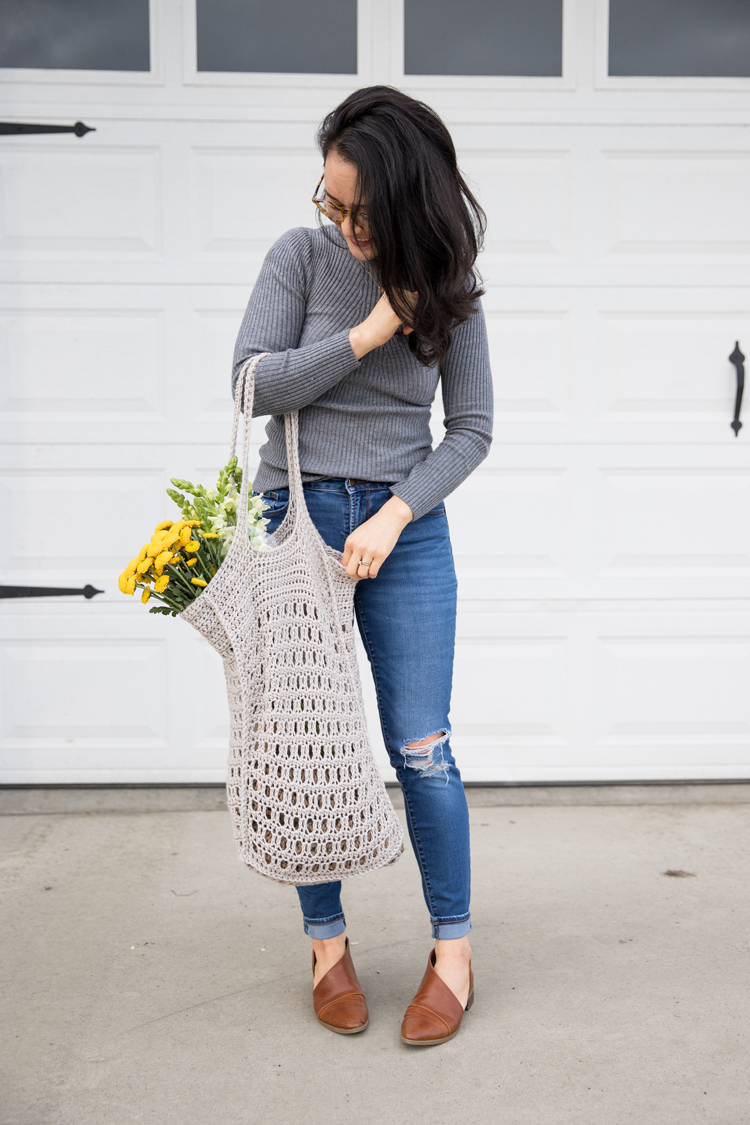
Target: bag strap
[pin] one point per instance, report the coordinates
(243, 401)
(239, 391)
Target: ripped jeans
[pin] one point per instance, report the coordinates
(407, 621)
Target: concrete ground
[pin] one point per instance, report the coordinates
(149, 977)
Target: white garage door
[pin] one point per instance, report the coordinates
(603, 548)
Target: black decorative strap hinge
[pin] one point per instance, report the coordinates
(738, 359)
(12, 128)
(45, 591)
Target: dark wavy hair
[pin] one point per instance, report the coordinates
(426, 225)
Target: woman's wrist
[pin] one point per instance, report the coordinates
(361, 341)
(356, 342)
(399, 509)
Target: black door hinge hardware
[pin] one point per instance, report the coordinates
(45, 591)
(11, 128)
(738, 359)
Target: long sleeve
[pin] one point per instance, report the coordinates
(468, 405)
(291, 377)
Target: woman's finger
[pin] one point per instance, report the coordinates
(377, 558)
(352, 565)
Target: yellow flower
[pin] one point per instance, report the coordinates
(192, 523)
(170, 539)
(143, 551)
(145, 596)
(130, 585)
(161, 561)
(163, 525)
(184, 536)
(199, 582)
(161, 584)
(191, 547)
(122, 582)
(178, 526)
(145, 578)
(210, 535)
(130, 568)
(154, 547)
(143, 566)
(192, 562)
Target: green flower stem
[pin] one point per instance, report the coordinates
(180, 581)
(202, 566)
(159, 597)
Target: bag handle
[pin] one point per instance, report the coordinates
(243, 401)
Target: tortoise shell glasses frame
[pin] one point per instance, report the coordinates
(336, 213)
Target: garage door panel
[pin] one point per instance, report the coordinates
(241, 201)
(214, 332)
(529, 192)
(101, 202)
(512, 520)
(674, 366)
(512, 687)
(117, 364)
(611, 366)
(530, 353)
(678, 203)
(207, 711)
(666, 692)
(88, 364)
(673, 520)
(53, 692)
(669, 699)
(107, 696)
(74, 519)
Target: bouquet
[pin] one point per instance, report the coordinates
(183, 555)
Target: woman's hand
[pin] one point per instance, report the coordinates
(375, 538)
(380, 325)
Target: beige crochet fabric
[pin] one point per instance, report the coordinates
(307, 802)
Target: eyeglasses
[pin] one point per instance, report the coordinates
(337, 214)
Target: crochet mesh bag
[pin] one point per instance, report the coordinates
(308, 804)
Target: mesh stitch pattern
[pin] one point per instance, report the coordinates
(308, 804)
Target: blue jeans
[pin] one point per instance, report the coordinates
(407, 621)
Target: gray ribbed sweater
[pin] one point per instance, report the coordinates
(367, 418)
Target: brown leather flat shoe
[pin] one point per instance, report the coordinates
(434, 1015)
(338, 1000)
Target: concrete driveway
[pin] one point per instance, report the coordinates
(149, 977)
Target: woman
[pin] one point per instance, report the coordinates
(363, 317)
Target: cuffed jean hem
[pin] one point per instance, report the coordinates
(325, 929)
(446, 931)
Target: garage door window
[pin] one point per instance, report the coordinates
(679, 38)
(75, 35)
(283, 37)
(483, 37)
